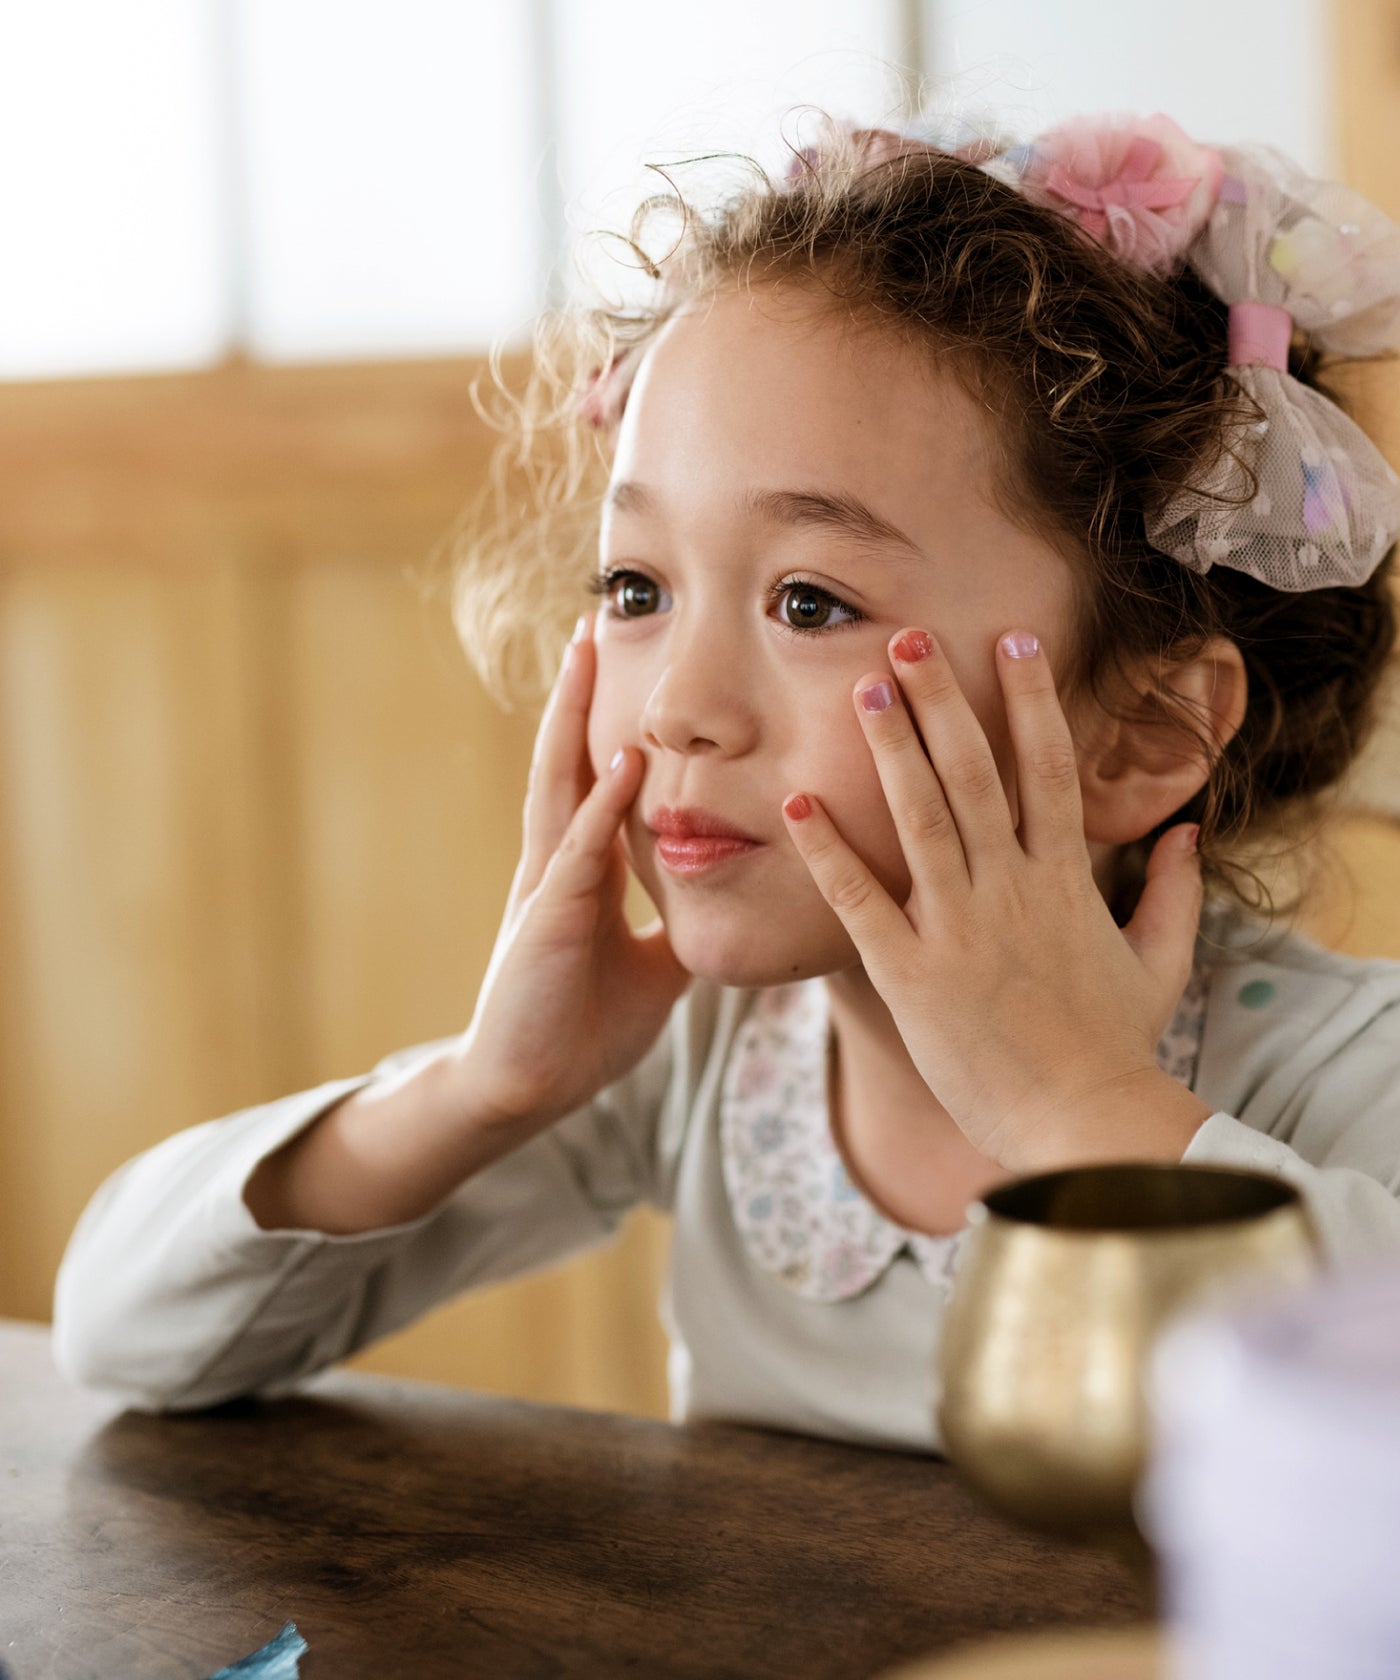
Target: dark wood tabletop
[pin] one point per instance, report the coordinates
(421, 1532)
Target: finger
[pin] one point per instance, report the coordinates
(1164, 925)
(1047, 766)
(877, 926)
(958, 749)
(559, 771)
(587, 851)
(927, 828)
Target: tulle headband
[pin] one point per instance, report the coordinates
(1301, 498)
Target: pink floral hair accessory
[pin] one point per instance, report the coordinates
(604, 394)
(1314, 247)
(876, 146)
(1138, 186)
(1301, 498)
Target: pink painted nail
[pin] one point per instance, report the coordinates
(617, 761)
(877, 697)
(913, 646)
(1019, 645)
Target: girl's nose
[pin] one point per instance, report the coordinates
(699, 701)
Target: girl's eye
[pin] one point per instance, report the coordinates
(802, 607)
(628, 594)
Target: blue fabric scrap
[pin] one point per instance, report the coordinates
(279, 1659)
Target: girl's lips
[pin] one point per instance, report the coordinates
(689, 822)
(691, 854)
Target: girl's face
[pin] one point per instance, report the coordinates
(788, 494)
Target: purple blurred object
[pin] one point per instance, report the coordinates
(1274, 1495)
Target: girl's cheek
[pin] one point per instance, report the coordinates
(612, 722)
(601, 742)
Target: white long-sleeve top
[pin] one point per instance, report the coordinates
(171, 1294)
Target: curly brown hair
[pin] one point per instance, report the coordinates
(1109, 394)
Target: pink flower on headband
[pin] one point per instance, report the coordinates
(605, 391)
(1138, 186)
(875, 146)
(882, 145)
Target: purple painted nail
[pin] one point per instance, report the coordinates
(1019, 645)
(877, 697)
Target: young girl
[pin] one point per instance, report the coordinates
(960, 615)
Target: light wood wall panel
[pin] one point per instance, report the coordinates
(1356, 905)
(257, 818)
(132, 957)
(1366, 97)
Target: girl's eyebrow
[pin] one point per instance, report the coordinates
(840, 512)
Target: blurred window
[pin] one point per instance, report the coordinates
(1227, 70)
(111, 188)
(351, 179)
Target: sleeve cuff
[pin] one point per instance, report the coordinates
(1222, 1140)
(276, 1126)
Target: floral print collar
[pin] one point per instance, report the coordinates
(800, 1216)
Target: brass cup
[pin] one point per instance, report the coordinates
(1067, 1280)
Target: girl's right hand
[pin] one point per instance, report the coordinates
(572, 998)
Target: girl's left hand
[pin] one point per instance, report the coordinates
(1031, 1016)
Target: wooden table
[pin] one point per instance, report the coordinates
(420, 1532)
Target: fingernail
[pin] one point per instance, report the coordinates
(617, 760)
(913, 646)
(1186, 837)
(877, 697)
(798, 807)
(579, 628)
(1020, 644)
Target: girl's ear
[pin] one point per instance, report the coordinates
(1136, 768)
